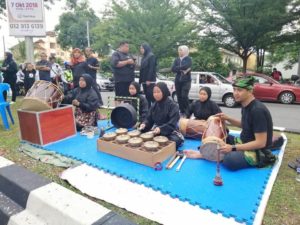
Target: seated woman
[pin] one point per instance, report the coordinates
(204, 107)
(134, 90)
(163, 115)
(85, 99)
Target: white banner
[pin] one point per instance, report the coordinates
(26, 17)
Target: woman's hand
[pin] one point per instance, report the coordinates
(156, 130)
(75, 102)
(142, 126)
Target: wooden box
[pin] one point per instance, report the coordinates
(47, 126)
(137, 154)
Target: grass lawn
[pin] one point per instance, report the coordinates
(283, 206)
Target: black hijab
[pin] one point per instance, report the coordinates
(88, 80)
(147, 54)
(137, 88)
(208, 92)
(164, 89)
(9, 58)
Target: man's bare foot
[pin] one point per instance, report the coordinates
(193, 154)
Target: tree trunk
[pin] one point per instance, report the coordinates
(245, 59)
(260, 58)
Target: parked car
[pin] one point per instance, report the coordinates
(105, 83)
(266, 88)
(159, 78)
(221, 89)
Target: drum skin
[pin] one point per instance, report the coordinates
(213, 137)
(43, 95)
(191, 128)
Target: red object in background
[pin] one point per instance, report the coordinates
(268, 89)
(48, 126)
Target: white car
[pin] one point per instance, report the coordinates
(221, 89)
(159, 78)
(105, 83)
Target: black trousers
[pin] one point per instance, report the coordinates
(182, 92)
(12, 84)
(148, 90)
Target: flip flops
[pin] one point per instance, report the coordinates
(294, 165)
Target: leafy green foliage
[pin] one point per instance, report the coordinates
(73, 25)
(239, 25)
(162, 24)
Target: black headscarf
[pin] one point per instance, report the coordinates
(88, 80)
(137, 88)
(164, 89)
(208, 92)
(9, 58)
(147, 54)
(203, 110)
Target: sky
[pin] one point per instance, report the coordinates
(51, 19)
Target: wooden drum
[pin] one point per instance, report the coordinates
(214, 135)
(43, 95)
(192, 128)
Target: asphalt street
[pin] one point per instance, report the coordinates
(287, 116)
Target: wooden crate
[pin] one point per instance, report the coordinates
(47, 126)
(137, 154)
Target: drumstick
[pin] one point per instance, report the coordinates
(174, 162)
(180, 164)
(171, 160)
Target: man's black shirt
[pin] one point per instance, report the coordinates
(256, 118)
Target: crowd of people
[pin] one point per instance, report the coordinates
(158, 112)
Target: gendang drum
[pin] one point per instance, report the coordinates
(43, 95)
(214, 136)
(192, 128)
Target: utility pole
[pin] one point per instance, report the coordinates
(299, 64)
(4, 49)
(29, 49)
(88, 33)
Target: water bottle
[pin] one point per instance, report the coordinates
(298, 174)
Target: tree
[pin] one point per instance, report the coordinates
(238, 25)
(19, 51)
(72, 26)
(160, 23)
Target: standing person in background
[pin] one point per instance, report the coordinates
(29, 76)
(92, 66)
(276, 75)
(10, 69)
(43, 67)
(182, 67)
(56, 71)
(148, 72)
(78, 65)
(92, 63)
(123, 65)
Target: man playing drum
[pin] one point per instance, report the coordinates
(256, 135)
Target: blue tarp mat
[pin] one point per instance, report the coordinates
(239, 197)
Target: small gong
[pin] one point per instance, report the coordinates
(121, 131)
(135, 141)
(151, 145)
(161, 140)
(123, 138)
(109, 136)
(134, 133)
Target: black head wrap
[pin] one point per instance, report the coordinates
(164, 89)
(9, 57)
(208, 92)
(137, 88)
(88, 80)
(147, 48)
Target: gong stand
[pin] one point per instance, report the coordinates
(218, 179)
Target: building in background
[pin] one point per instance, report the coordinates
(231, 57)
(48, 44)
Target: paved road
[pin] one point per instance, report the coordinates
(287, 116)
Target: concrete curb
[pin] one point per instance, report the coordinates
(288, 130)
(27, 198)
